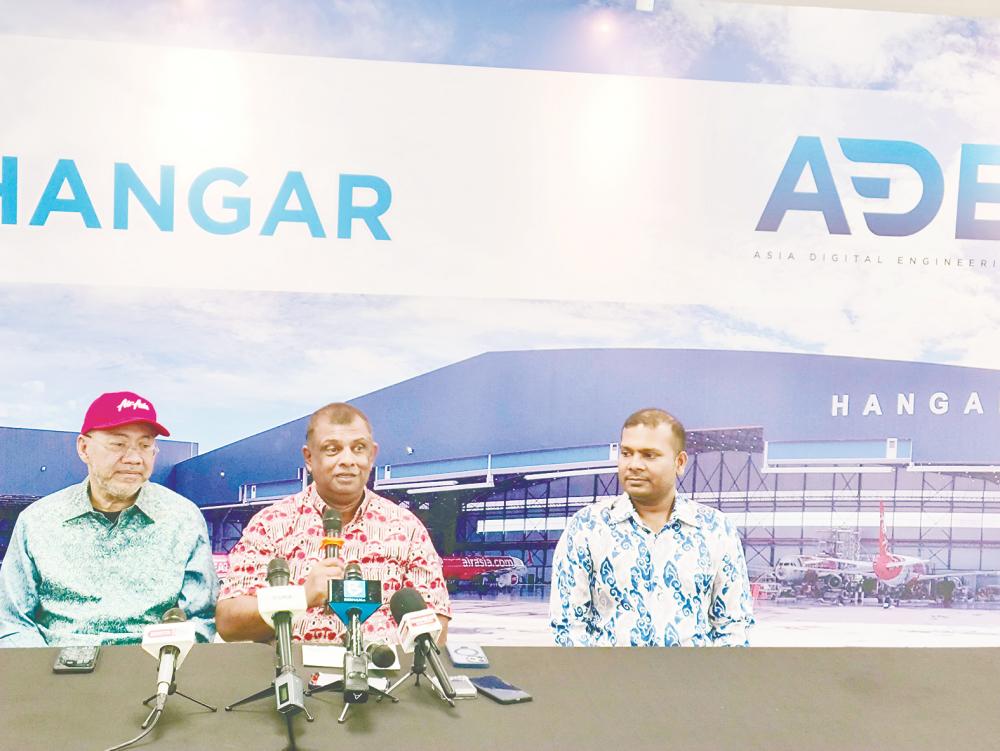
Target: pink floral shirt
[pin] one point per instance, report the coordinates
(388, 541)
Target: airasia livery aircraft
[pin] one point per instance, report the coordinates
(896, 570)
(496, 570)
(501, 570)
(890, 569)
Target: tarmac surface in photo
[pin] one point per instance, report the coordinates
(509, 620)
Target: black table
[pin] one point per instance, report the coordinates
(607, 699)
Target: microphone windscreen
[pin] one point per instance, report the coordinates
(331, 523)
(174, 615)
(277, 572)
(382, 655)
(406, 600)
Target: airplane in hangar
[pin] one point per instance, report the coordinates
(887, 567)
(501, 571)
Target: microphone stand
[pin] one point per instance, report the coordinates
(355, 649)
(270, 691)
(154, 716)
(174, 625)
(170, 692)
(419, 668)
(277, 603)
(286, 688)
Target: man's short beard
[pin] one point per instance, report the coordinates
(120, 491)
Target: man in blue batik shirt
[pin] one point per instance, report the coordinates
(650, 567)
(96, 562)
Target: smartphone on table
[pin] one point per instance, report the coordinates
(499, 690)
(76, 660)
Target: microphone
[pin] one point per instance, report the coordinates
(277, 576)
(381, 656)
(353, 635)
(332, 541)
(354, 600)
(356, 657)
(277, 603)
(170, 642)
(418, 628)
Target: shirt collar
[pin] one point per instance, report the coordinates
(79, 503)
(684, 510)
(317, 504)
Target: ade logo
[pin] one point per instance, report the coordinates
(808, 153)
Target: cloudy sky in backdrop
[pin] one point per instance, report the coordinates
(222, 365)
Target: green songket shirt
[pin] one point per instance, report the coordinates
(72, 576)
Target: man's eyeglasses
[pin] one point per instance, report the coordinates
(122, 448)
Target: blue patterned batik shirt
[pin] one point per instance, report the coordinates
(616, 583)
(72, 576)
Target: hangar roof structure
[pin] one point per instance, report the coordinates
(563, 409)
(564, 401)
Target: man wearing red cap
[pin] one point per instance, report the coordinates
(96, 562)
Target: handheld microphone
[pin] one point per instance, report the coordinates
(170, 642)
(418, 629)
(332, 540)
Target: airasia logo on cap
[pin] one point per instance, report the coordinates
(137, 404)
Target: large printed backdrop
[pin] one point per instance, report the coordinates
(370, 220)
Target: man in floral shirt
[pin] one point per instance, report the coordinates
(650, 567)
(388, 541)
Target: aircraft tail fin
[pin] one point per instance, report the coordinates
(883, 541)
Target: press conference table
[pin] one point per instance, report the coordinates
(617, 699)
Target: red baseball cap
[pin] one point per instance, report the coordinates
(120, 408)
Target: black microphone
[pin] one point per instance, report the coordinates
(415, 627)
(381, 655)
(332, 541)
(289, 690)
(277, 603)
(277, 576)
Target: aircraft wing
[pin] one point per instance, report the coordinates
(955, 575)
(845, 565)
(860, 565)
(850, 568)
